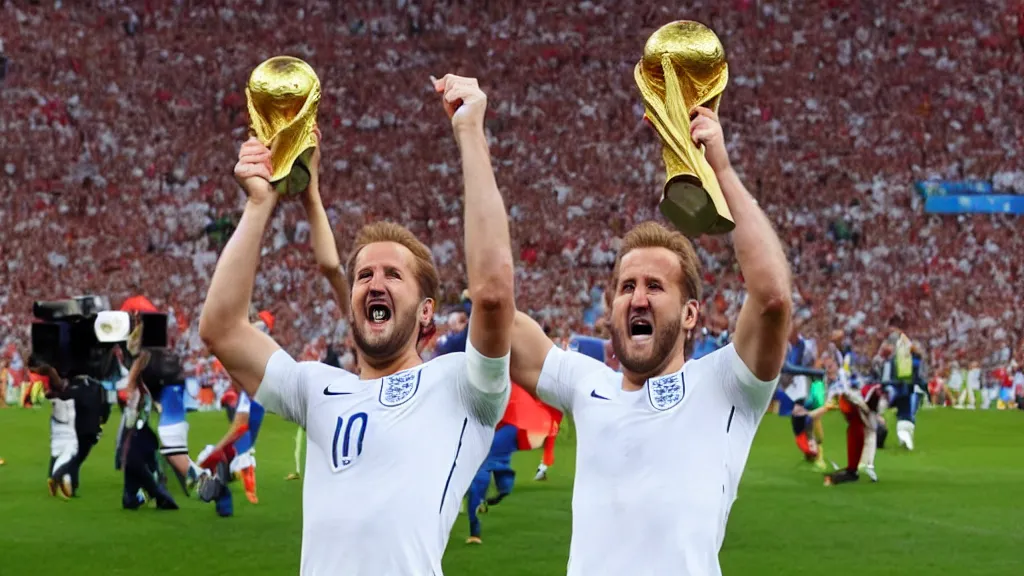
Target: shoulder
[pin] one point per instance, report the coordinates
(320, 370)
(714, 361)
(448, 365)
(576, 365)
(446, 362)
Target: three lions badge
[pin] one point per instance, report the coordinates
(397, 389)
(666, 391)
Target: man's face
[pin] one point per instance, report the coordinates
(647, 310)
(386, 302)
(831, 369)
(457, 321)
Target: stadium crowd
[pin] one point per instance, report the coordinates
(121, 122)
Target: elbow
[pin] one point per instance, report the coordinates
(330, 269)
(495, 290)
(208, 332)
(778, 307)
(212, 330)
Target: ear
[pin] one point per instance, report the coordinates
(691, 312)
(426, 312)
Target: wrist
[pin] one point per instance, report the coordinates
(263, 205)
(469, 133)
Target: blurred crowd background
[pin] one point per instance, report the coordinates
(121, 123)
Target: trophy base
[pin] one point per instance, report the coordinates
(690, 208)
(298, 179)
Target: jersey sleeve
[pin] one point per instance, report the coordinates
(744, 389)
(285, 388)
(484, 385)
(563, 377)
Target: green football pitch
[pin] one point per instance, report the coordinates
(954, 507)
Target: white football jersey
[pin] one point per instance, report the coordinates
(657, 469)
(388, 461)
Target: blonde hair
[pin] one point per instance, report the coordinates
(654, 235)
(423, 266)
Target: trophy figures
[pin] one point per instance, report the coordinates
(684, 66)
(282, 95)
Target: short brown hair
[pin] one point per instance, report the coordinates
(654, 235)
(423, 268)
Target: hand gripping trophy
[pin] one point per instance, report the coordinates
(283, 94)
(683, 67)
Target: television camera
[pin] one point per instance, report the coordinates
(77, 336)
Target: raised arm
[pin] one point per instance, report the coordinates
(530, 347)
(763, 324)
(487, 245)
(325, 249)
(224, 324)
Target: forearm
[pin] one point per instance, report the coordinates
(237, 430)
(227, 301)
(488, 248)
(758, 250)
(325, 249)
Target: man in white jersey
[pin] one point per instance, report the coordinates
(392, 451)
(661, 446)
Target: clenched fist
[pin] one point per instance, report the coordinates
(463, 100)
(253, 171)
(705, 129)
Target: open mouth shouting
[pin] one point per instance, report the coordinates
(641, 328)
(378, 312)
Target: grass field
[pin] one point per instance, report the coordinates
(954, 507)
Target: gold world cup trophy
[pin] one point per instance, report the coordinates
(684, 66)
(282, 95)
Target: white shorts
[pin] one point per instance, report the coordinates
(173, 438)
(244, 460)
(62, 452)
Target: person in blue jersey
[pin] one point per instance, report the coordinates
(173, 433)
(458, 329)
(714, 335)
(900, 363)
(499, 465)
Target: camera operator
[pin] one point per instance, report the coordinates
(91, 413)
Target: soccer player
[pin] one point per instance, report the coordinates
(236, 449)
(863, 410)
(662, 445)
(392, 451)
(173, 433)
(498, 464)
(806, 418)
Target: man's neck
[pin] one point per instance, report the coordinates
(372, 371)
(632, 381)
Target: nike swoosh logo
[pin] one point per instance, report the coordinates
(594, 394)
(327, 392)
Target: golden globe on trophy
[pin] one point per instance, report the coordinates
(282, 95)
(684, 66)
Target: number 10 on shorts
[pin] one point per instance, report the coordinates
(348, 440)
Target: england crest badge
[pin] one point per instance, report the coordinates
(666, 391)
(397, 389)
